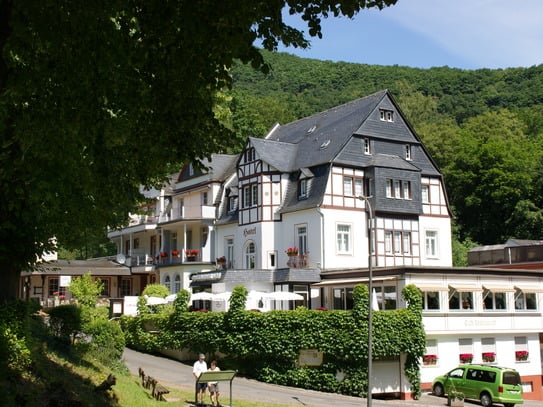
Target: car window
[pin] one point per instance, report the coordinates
(456, 373)
(511, 378)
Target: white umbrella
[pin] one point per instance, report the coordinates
(374, 301)
(222, 296)
(171, 297)
(156, 301)
(282, 296)
(201, 296)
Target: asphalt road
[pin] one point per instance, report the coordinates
(174, 374)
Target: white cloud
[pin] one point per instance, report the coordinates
(488, 33)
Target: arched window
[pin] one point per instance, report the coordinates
(167, 282)
(250, 255)
(177, 284)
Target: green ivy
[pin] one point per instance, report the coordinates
(266, 345)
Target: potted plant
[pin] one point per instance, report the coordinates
(163, 254)
(466, 357)
(221, 262)
(489, 357)
(429, 359)
(175, 253)
(521, 355)
(455, 399)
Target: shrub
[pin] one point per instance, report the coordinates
(65, 322)
(106, 341)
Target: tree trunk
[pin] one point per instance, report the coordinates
(9, 289)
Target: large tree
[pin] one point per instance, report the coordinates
(99, 98)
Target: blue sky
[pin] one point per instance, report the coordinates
(466, 34)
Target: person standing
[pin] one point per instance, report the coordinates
(198, 368)
(214, 386)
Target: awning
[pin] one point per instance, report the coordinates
(465, 288)
(499, 288)
(351, 281)
(529, 289)
(427, 288)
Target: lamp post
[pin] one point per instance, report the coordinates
(370, 231)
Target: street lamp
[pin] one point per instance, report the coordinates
(370, 289)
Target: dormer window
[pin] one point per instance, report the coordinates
(303, 188)
(386, 115)
(367, 149)
(232, 203)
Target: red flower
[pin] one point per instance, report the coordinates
(292, 251)
(521, 355)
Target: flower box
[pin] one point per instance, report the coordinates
(429, 359)
(163, 254)
(175, 253)
(521, 355)
(466, 357)
(292, 251)
(191, 253)
(489, 357)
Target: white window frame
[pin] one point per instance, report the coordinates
(425, 193)
(389, 189)
(348, 186)
(250, 255)
(367, 146)
(303, 188)
(406, 189)
(343, 238)
(431, 244)
(408, 155)
(301, 238)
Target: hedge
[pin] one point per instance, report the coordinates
(266, 346)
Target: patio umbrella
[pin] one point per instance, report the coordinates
(282, 296)
(222, 296)
(156, 301)
(374, 301)
(171, 297)
(203, 295)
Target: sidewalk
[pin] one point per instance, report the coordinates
(175, 374)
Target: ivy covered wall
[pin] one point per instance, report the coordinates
(266, 346)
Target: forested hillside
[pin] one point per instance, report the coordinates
(484, 129)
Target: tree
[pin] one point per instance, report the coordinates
(493, 169)
(98, 99)
(86, 290)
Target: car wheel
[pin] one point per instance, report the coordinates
(486, 400)
(438, 390)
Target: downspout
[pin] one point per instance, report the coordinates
(322, 238)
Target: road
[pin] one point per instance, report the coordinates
(174, 374)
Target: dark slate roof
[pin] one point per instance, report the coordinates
(97, 267)
(316, 189)
(317, 139)
(221, 166)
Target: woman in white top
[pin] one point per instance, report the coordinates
(214, 386)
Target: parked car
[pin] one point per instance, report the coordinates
(489, 384)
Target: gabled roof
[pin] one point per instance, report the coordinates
(317, 139)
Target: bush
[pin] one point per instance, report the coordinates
(106, 341)
(65, 322)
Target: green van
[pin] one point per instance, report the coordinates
(489, 384)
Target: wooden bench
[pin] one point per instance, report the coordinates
(157, 390)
